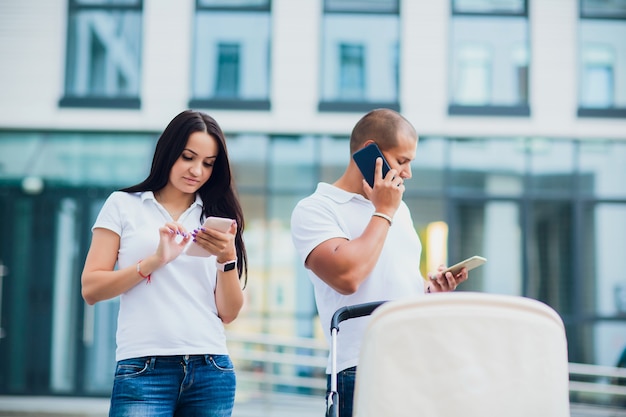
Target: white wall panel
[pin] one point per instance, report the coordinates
(32, 56)
(32, 61)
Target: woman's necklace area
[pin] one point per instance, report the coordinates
(173, 214)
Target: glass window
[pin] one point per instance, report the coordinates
(603, 8)
(489, 6)
(248, 154)
(429, 220)
(474, 81)
(549, 212)
(491, 166)
(248, 4)
(602, 170)
(551, 167)
(231, 54)
(609, 346)
(597, 76)
(489, 74)
(227, 80)
(480, 228)
(293, 163)
(602, 53)
(351, 72)
(550, 253)
(257, 241)
(334, 156)
(426, 168)
(105, 159)
(100, 323)
(365, 6)
(501, 224)
(604, 288)
(103, 62)
(359, 66)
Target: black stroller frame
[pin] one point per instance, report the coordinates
(342, 314)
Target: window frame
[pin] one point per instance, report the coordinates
(523, 13)
(596, 112)
(346, 106)
(93, 101)
(516, 110)
(583, 15)
(217, 102)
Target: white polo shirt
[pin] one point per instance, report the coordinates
(174, 314)
(331, 212)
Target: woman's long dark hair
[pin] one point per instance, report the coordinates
(218, 194)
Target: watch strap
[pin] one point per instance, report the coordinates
(226, 266)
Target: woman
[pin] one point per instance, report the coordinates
(171, 351)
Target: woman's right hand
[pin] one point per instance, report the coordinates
(173, 238)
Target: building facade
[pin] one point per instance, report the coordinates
(520, 106)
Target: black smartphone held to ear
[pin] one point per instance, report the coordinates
(365, 159)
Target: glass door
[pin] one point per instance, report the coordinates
(27, 261)
(51, 341)
(491, 229)
(98, 330)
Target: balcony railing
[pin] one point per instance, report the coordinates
(274, 363)
(594, 384)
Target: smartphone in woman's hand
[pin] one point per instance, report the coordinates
(218, 223)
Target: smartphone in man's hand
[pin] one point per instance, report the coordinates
(469, 263)
(365, 159)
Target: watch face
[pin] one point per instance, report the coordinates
(230, 266)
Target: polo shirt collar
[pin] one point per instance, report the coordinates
(149, 195)
(337, 194)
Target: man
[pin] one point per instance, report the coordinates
(359, 243)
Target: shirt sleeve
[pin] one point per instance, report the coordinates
(313, 223)
(110, 215)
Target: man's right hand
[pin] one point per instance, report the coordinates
(387, 193)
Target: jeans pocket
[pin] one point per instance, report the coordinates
(222, 362)
(129, 368)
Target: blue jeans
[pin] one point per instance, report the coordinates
(345, 390)
(174, 386)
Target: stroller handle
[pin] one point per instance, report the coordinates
(353, 311)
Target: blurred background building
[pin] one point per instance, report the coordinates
(520, 106)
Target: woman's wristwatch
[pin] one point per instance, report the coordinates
(226, 266)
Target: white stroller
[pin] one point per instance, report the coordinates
(459, 354)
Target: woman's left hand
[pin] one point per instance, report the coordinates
(220, 244)
(440, 282)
